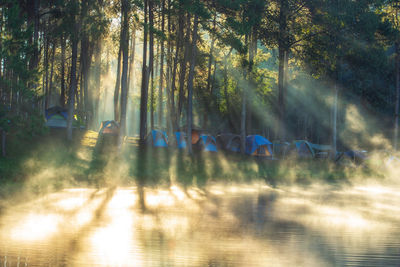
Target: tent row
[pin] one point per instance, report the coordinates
(255, 145)
(260, 146)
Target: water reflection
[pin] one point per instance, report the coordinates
(219, 225)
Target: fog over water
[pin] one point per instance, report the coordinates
(219, 225)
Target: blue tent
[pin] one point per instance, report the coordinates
(257, 145)
(304, 149)
(229, 142)
(208, 143)
(109, 128)
(56, 117)
(180, 139)
(50, 112)
(159, 138)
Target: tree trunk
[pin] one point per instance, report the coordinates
(179, 44)
(33, 19)
(282, 43)
(62, 93)
(131, 69)
(73, 83)
(228, 105)
(145, 84)
(46, 73)
(210, 58)
(124, 78)
(397, 98)
(131, 73)
(209, 80)
(252, 54)
(85, 61)
(170, 87)
(152, 98)
(151, 62)
(51, 71)
(97, 82)
(334, 121)
(243, 123)
(244, 101)
(3, 142)
(79, 92)
(117, 84)
(190, 85)
(183, 69)
(161, 82)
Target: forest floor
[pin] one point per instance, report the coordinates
(50, 163)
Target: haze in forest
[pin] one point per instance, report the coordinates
(321, 71)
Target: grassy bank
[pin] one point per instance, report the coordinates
(48, 163)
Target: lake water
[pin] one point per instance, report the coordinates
(221, 225)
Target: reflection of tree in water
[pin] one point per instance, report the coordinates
(141, 174)
(104, 152)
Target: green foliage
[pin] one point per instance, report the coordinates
(17, 52)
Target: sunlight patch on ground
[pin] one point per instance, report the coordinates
(89, 139)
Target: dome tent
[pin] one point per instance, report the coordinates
(207, 143)
(56, 117)
(257, 145)
(157, 138)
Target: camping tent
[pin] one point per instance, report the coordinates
(180, 139)
(207, 143)
(109, 128)
(304, 149)
(158, 138)
(321, 151)
(257, 145)
(355, 156)
(230, 142)
(56, 117)
(280, 148)
(196, 132)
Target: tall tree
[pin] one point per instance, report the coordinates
(161, 82)
(183, 66)
(118, 83)
(190, 83)
(283, 58)
(124, 77)
(151, 61)
(62, 93)
(73, 79)
(145, 80)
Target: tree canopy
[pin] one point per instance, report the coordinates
(245, 66)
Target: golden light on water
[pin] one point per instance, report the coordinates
(177, 192)
(245, 225)
(70, 204)
(35, 227)
(159, 198)
(115, 243)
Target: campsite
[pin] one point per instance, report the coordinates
(192, 133)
